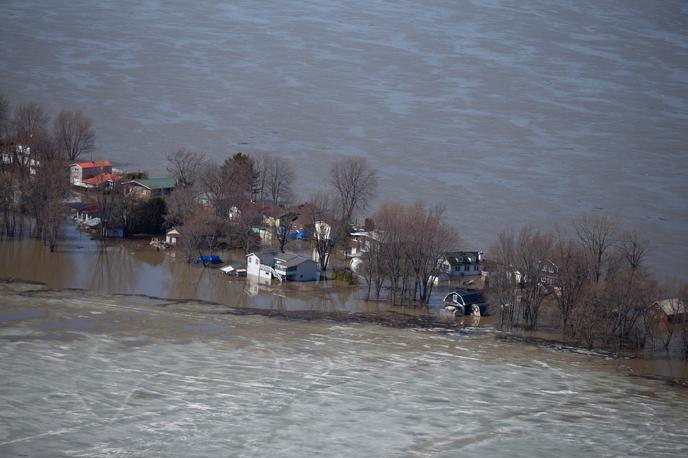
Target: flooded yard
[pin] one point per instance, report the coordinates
(89, 374)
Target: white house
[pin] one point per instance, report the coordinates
(294, 267)
(261, 265)
(360, 242)
(80, 171)
(267, 265)
(462, 263)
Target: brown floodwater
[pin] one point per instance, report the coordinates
(95, 374)
(132, 268)
(509, 113)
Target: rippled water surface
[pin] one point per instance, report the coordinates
(509, 112)
(96, 375)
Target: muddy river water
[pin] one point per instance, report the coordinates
(98, 373)
(87, 374)
(508, 112)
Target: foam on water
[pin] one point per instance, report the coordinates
(280, 388)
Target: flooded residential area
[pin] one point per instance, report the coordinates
(427, 228)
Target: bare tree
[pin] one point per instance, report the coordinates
(180, 204)
(407, 250)
(571, 278)
(280, 176)
(4, 118)
(681, 320)
(111, 204)
(44, 197)
(503, 280)
(9, 202)
(429, 239)
(631, 291)
(373, 269)
(185, 165)
(391, 237)
(596, 233)
(30, 123)
(241, 228)
(533, 251)
(197, 229)
(355, 184)
(325, 230)
(283, 229)
(74, 135)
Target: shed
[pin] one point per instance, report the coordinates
(173, 236)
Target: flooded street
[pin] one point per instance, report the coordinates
(507, 112)
(95, 375)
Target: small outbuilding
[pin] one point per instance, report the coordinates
(173, 236)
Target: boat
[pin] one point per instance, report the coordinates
(467, 302)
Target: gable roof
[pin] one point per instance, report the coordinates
(90, 165)
(672, 306)
(157, 183)
(456, 258)
(291, 259)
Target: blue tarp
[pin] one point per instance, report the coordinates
(208, 260)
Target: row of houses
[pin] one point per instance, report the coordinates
(89, 175)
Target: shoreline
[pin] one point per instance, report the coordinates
(392, 319)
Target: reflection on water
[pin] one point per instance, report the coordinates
(132, 267)
(96, 375)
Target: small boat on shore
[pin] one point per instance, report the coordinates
(466, 302)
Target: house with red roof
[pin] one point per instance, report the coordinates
(92, 174)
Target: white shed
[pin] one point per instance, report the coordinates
(172, 236)
(261, 264)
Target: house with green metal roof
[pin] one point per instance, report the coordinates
(150, 187)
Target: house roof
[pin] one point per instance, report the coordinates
(174, 230)
(102, 178)
(456, 258)
(90, 165)
(264, 253)
(157, 183)
(291, 259)
(672, 306)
